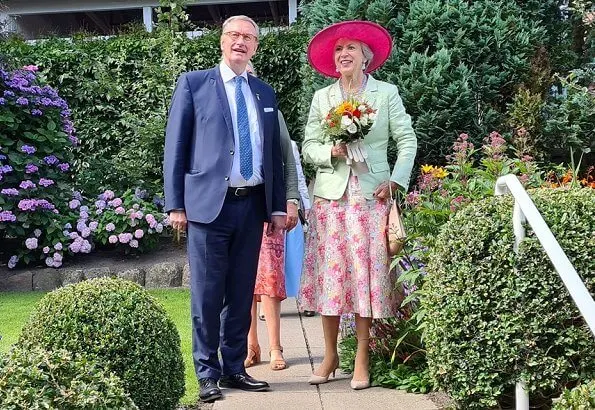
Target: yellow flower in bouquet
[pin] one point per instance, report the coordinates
(349, 121)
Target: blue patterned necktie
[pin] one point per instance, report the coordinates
(243, 131)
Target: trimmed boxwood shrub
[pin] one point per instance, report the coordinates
(494, 317)
(41, 379)
(582, 397)
(123, 328)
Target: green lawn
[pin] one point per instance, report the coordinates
(16, 307)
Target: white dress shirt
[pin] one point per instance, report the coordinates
(235, 178)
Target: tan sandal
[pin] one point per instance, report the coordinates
(253, 356)
(277, 364)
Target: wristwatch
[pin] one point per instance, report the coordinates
(296, 202)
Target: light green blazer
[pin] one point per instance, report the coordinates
(392, 121)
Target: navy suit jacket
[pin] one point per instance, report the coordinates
(199, 146)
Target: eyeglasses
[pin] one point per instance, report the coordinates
(234, 35)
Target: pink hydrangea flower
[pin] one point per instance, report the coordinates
(31, 243)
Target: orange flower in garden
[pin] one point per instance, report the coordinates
(567, 177)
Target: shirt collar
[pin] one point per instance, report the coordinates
(227, 73)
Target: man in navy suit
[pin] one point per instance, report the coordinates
(223, 177)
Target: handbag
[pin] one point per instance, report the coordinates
(395, 228)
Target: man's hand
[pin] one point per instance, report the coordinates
(277, 224)
(292, 216)
(177, 220)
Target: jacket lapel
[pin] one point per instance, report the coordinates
(371, 91)
(256, 94)
(334, 95)
(217, 83)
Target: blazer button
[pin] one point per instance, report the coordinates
(227, 178)
(231, 151)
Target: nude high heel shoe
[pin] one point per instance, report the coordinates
(315, 379)
(361, 384)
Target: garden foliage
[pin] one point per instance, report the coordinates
(35, 379)
(458, 63)
(120, 326)
(119, 90)
(492, 317)
(582, 397)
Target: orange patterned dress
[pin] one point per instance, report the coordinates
(270, 279)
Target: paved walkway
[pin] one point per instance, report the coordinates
(303, 348)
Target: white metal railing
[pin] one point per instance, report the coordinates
(525, 211)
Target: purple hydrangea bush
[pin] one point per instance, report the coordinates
(36, 151)
(128, 221)
(38, 209)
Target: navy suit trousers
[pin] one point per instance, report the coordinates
(223, 257)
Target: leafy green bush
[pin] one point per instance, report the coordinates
(58, 380)
(493, 317)
(570, 116)
(119, 325)
(582, 397)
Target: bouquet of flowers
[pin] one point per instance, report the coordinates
(349, 122)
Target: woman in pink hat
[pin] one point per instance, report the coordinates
(346, 265)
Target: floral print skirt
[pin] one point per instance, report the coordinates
(346, 264)
(270, 278)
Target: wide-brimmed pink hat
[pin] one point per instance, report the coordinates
(321, 47)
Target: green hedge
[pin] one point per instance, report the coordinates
(582, 397)
(119, 91)
(120, 326)
(493, 317)
(34, 378)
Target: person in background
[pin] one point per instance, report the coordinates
(346, 265)
(270, 279)
(294, 239)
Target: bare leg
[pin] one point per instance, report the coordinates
(272, 314)
(362, 358)
(253, 333)
(253, 356)
(330, 327)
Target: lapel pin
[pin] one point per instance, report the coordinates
(258, 96)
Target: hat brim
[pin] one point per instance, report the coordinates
(321, 47)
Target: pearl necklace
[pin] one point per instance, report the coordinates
(359, 91)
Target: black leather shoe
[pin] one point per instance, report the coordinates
(209, 391)
(243, 381)
(309, 313)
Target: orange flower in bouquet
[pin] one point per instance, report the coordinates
(349, 121)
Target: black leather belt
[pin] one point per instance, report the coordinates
(245, 190)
